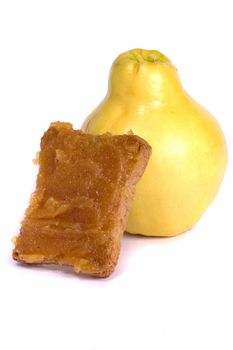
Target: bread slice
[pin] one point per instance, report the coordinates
(79, 210)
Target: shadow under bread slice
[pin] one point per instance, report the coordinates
(79, 209)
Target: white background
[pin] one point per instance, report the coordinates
(171, 293)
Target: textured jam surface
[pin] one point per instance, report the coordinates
(78, 211)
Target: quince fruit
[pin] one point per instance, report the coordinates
(189, 153)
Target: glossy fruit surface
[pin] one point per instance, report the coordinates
(189, 154)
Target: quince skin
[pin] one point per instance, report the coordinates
(189, 154)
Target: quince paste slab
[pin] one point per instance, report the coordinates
(79, 209)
